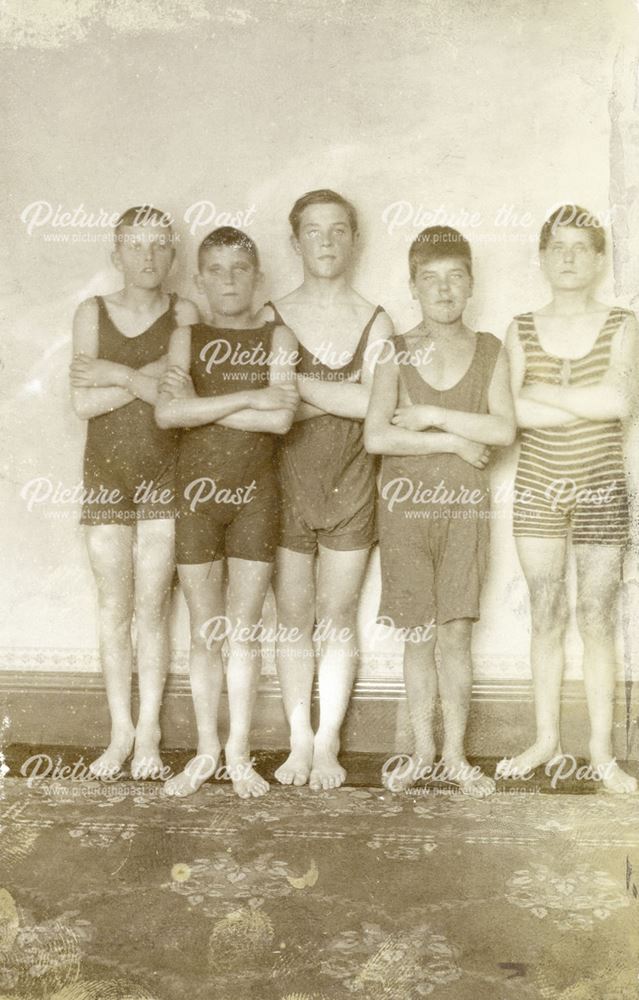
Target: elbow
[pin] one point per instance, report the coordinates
(163, 418)
(373, 441)
(282, 423)
(508, 434)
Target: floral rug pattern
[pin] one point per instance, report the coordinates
(356, 894)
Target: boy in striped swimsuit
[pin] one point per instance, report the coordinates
(573, 368)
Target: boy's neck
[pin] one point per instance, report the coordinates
(141, 299)
(572, 302)
(325, 291)
(441, 331)
(241, 321)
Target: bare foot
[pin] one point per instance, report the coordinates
(401, 771)
(147, 762)
(614, 779)
(247, 783)
(196, 772)
(525, 763)
(327, 772)
(297, 767)
(470, 780)
(109, 763)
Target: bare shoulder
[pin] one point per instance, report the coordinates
(296, 297)
(186, 312)
(87, 311)
(284, 339)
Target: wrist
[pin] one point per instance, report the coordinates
(436, 417)
(125, 377)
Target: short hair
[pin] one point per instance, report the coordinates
(323, 196)
(577, 217)
(228, 236)
(143, 215)
(435, 243)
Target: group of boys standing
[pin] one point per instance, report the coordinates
(260, 434)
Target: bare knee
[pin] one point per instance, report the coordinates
(454, 638)
(596, 617)
(548, 606)
(116, 612)
(152, 610)
(295, 611)
(338, 613)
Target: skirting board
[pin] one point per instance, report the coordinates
(43, 708)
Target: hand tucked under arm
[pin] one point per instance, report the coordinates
(342, 398)
(100, 386)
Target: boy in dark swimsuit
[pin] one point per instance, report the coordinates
(120, 343)
(327, 485)
(232, 384)
(438, 402)
(574, 375)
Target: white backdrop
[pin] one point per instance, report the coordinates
(485, 111)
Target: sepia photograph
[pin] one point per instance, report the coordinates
(319, 643)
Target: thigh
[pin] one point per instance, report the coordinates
(543, 560)
(460, 547)
(203, 588)
(110, 549)
(199, 538)
(339, 580)
(599, 570)
(294, 585)
(252, 533)
(407, 571)
(154, 557)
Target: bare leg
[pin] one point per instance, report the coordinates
(598, 578)
(295, 599)
(339, 584)
(154, 569)
(455, 685)
(203, 589)
(420, 682)
(110, 548)
(248, 584)
(543, 562)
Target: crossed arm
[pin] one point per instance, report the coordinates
(99, 386)
(344, 398)
(497, 427)
(389, 430)
(541, 404)
(267, 410)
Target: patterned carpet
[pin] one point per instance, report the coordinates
(116, 893)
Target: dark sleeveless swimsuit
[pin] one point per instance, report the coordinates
(571, 476)
(226, 479)
(129, 462)
(434, 547)
(327, 478)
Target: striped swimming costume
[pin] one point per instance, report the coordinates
(571, 476)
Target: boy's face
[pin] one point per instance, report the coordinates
(442, 286)
(325, 241)
(570, 260)
(144, 254)
(228, 277)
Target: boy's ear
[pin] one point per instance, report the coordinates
(295, 243)
(413, 290)
(259, 279)
(115, 259)
(197, 281)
